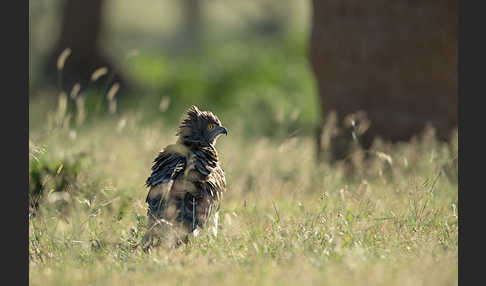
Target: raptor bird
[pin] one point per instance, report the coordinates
(186, 183)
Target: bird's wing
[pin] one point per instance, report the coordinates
(167, 167)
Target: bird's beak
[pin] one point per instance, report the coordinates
(223, 130)
(215, 134)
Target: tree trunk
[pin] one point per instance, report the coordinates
(394, 60)
(80, 31)
(192, 28)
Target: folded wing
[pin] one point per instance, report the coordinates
(167, 167)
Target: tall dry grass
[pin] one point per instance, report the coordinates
(284, 220)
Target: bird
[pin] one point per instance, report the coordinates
(186, 183)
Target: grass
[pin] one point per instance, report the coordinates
(269, 79)
(284, 220)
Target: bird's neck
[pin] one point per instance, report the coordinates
(208, 152)
(195, 144)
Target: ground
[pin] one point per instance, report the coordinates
(284, 220)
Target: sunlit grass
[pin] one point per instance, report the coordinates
(284, 220)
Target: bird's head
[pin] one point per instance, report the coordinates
(200, 127)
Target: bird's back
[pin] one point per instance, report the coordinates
(186, 186)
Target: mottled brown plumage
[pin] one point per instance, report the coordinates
(187, 182)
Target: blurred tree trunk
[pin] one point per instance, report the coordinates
(192, 28)
(80, 31)
(394, 60)
(275, 22)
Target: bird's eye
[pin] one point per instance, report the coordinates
(210, 126)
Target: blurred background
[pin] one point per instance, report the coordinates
(274, 68)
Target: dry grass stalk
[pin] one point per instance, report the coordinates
(61, 60)
(99, 73)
